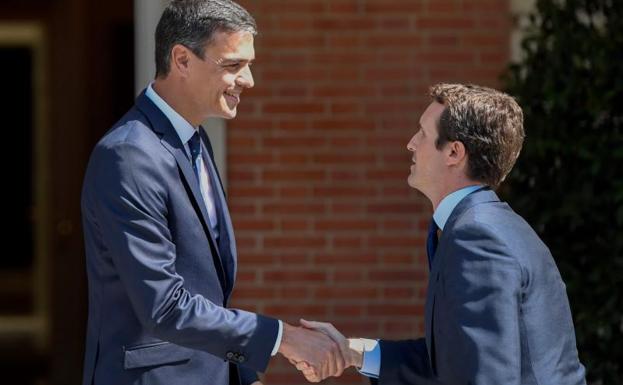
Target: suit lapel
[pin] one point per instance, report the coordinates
(479, 196)
(171, 141)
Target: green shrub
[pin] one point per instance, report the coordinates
(568, 181)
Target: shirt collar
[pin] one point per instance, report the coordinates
(447, 204)
(184, 129)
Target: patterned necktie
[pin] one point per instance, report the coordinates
(431, 242)
(194, 144)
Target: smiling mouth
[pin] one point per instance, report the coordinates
(233, 97)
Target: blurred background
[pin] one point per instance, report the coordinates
(316, 161)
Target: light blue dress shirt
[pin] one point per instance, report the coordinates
(185, 131)
(371, 366)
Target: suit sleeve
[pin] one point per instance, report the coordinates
(247, 376)
(131, 211)
(481, 288)
(404, 363)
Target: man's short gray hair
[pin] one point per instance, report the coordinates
(193, 24)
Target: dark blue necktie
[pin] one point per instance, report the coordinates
(194, 143)
(431, 242)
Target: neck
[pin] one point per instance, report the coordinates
(177, 98)
(445, 190)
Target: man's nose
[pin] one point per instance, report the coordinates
(411, 144)
(246, 78)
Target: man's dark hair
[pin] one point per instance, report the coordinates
(193, 24)
(488, 122)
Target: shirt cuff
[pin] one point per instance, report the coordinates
(278, 340)
(371, 359)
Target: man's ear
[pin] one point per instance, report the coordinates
(456, 153)
(180, 60)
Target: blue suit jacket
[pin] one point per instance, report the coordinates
(158, 283)
(497, 311)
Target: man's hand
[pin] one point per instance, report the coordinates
(352, 357)
(319, 354)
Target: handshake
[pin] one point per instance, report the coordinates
(319, 350)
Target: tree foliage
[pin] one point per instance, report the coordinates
(568, 181)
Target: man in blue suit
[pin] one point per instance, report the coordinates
(160, 247)
(497, 311)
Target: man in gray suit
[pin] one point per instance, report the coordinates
(160, 248)
(497, 311)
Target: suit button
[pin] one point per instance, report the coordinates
(241, 359)
(229, 355)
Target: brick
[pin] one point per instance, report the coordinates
(342, 225)
(296, 276)
(348, 310)
(337, 192)
(350, 293)
(352, 276)
(341, 242)
(296, 141)
(297, 311)
(399, 292)
(294, 192)
(398, 275)
(335, 159)
(404, 259)
(346, 259)
(294, 225)
(296, 7)
(344, 41)
(293, 41)
(395, 310)
(253, 192)
(292, 242)
(443, 7)
(296, 292)
(344, 6)
(247, 259)
(343, 124)
(395, 6)
(342, 23)
(293, 176)
(293, 108)
(293, 209)
(435, 23)
(258, 225)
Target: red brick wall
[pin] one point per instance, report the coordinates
(326, 225)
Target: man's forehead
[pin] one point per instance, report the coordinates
(432, 113)
(235, 45)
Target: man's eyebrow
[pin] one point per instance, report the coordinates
(236, 60)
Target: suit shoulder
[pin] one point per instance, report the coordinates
(497, 222)
(132, 129)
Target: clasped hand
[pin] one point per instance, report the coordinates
(317, 349)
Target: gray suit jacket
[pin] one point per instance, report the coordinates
(497, 311)
(158, 282)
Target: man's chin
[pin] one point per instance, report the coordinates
(228, 114)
